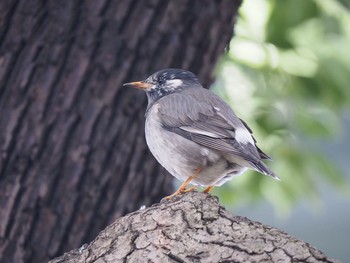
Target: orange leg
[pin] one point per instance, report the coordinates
(182, 188)
(208, 189)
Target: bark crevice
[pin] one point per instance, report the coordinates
(72, 152)
(176, 231)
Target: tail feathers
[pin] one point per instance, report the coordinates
(262, 168)
(262, 154)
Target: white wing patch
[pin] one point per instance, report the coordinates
(243, 136)
(198, 131)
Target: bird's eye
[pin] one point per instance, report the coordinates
(161, 81)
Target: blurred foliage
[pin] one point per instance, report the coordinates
(287, 74)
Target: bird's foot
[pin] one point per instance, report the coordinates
(180, 191)
(182, 188)
(192, 188)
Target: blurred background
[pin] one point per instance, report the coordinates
(287, 74)
(73, 155)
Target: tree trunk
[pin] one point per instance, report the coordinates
(73, 156)
(192, 227)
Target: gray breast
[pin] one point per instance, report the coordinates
(180, 156)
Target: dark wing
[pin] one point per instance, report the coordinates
(261, 153)
(207, 122)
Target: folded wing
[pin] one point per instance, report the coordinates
(211, 123)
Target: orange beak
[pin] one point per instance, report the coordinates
(138, 84)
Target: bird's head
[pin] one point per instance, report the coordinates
(165, 82)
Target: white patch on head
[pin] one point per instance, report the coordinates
(153, 87)
(174, 82)
(242, 135)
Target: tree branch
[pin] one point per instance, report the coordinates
(192, 227)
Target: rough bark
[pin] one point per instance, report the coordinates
(72, 152)
(192, 227)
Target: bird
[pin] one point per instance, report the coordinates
(194, 134)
